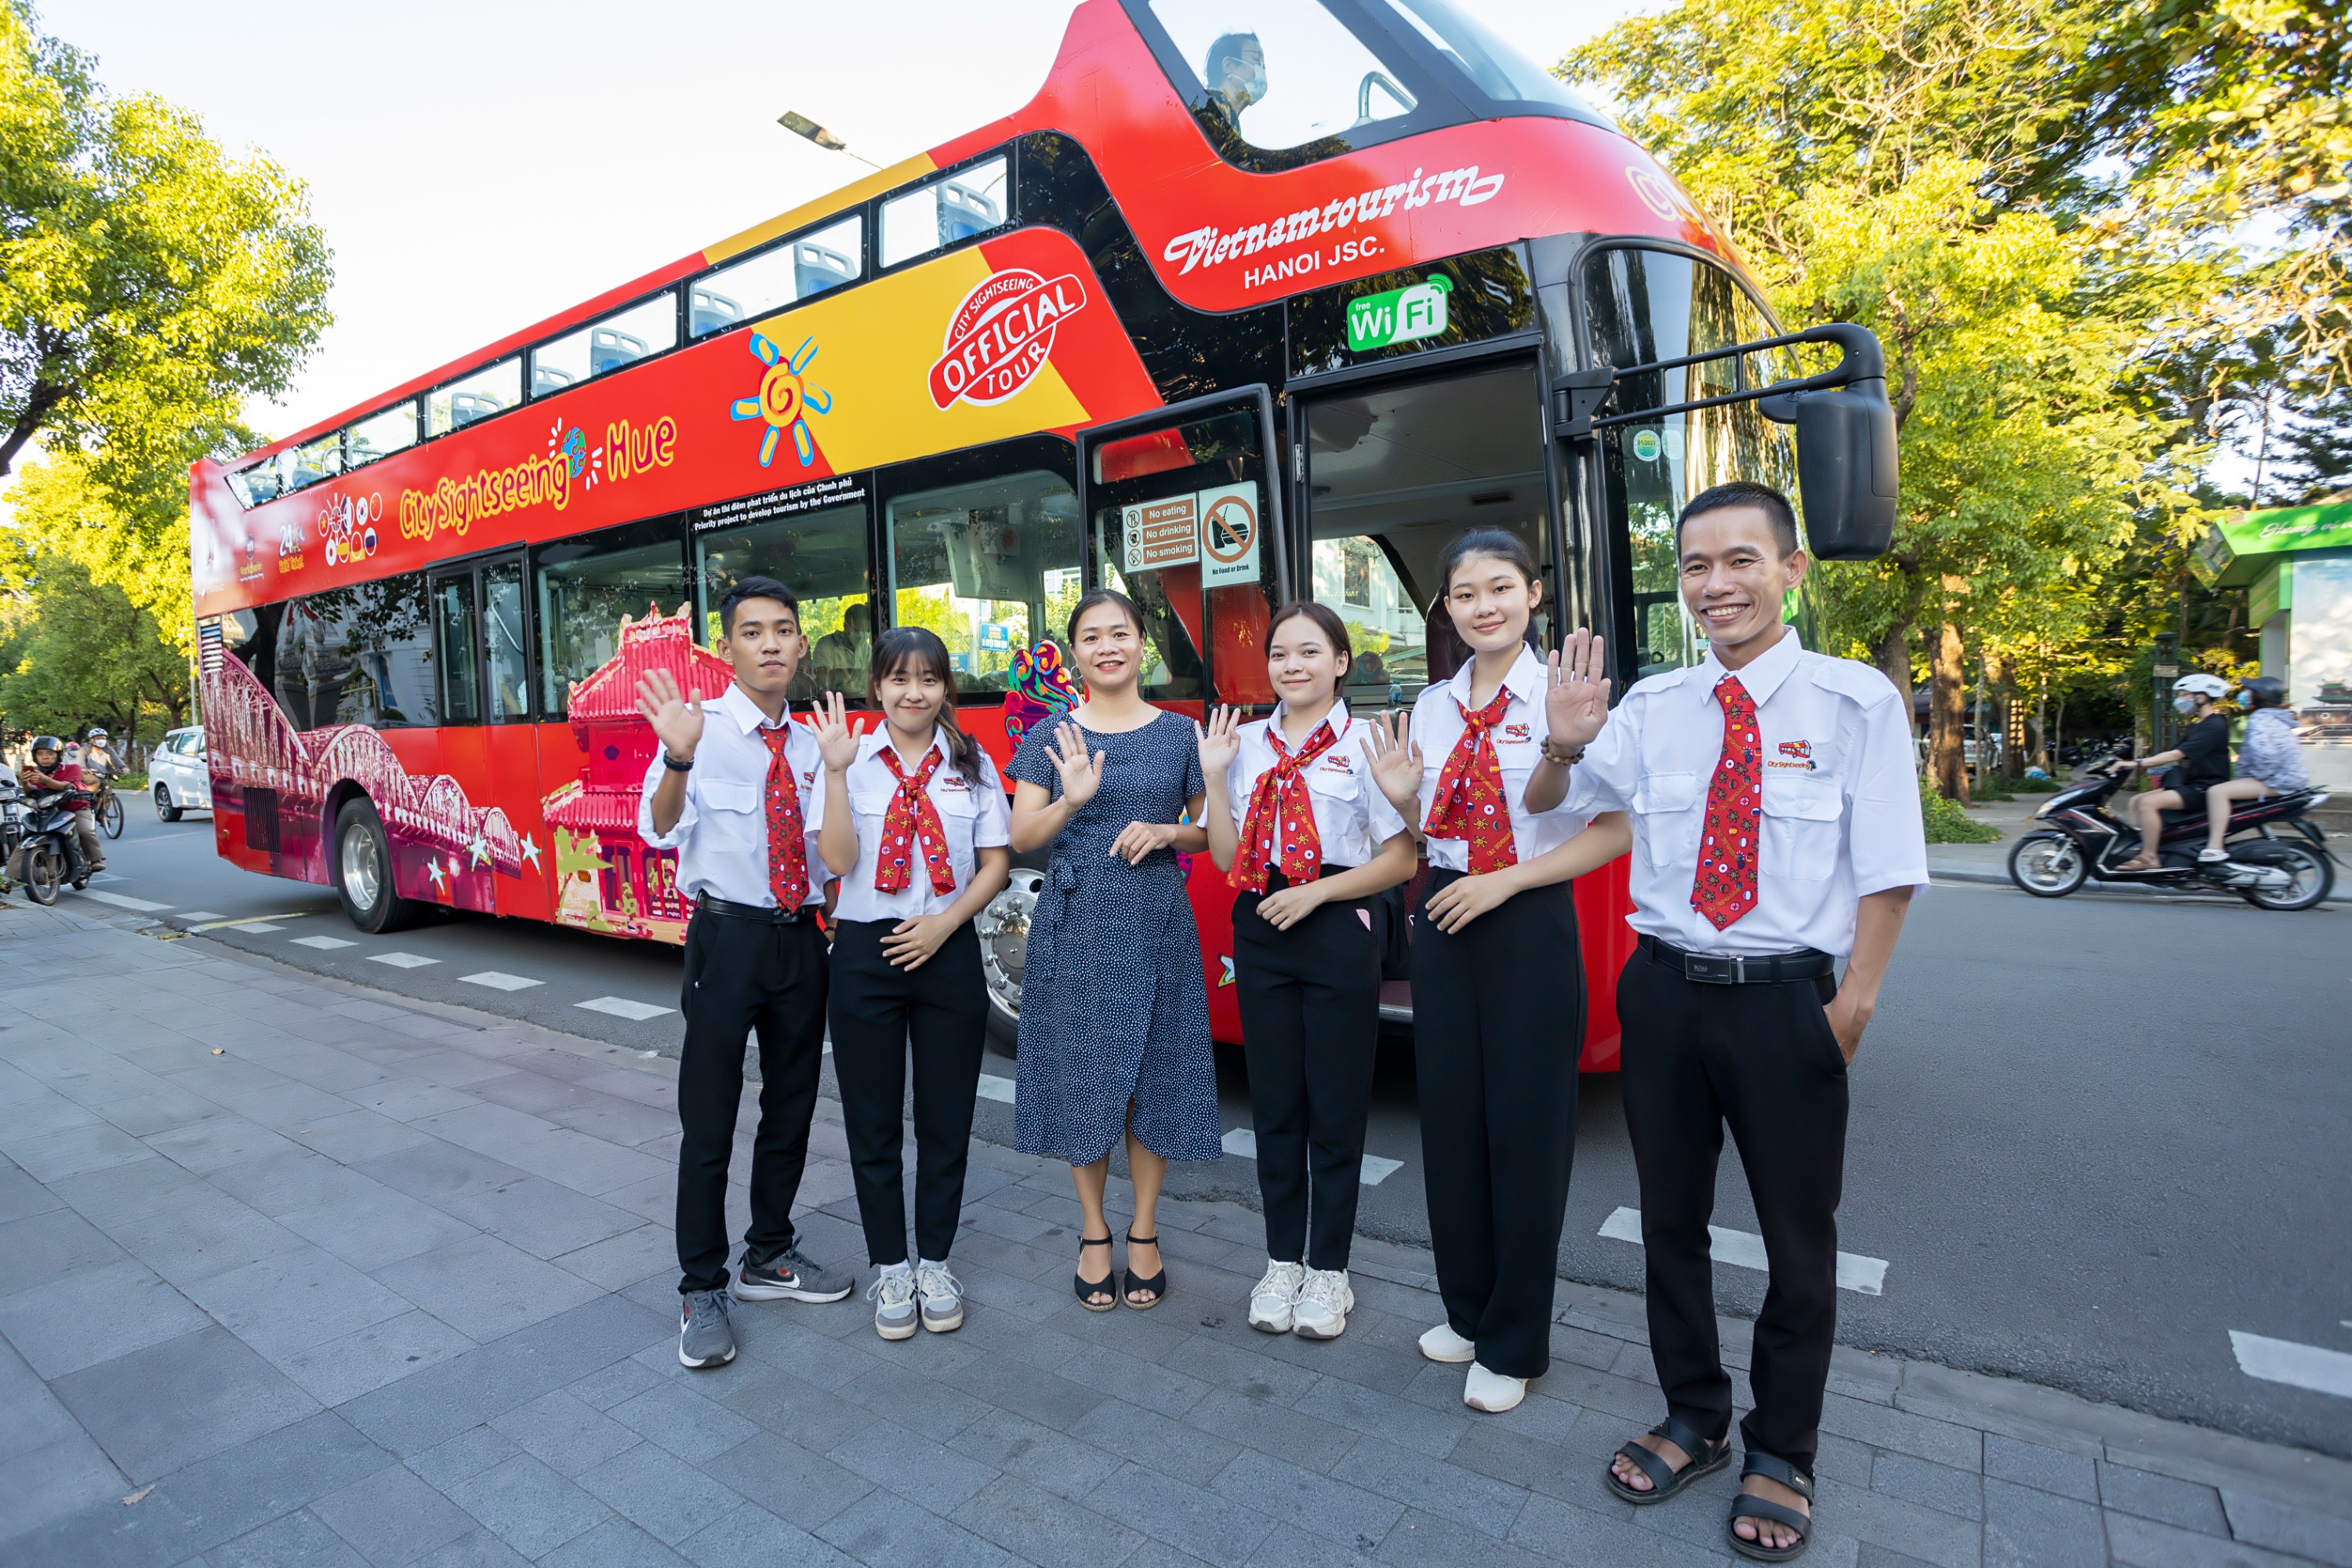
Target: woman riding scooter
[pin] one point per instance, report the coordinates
(2197, 764)
(2269, 761)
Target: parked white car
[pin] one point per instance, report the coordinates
(179, 777)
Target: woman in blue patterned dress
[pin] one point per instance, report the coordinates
(1114, 1038)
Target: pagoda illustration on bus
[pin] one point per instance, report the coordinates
(1215, 349)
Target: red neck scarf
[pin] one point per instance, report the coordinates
(912, 823)
(1470, 803)
(1282, 793)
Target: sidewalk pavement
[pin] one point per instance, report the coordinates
(293, 1274)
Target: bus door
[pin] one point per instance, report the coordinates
(1391, 467)
(1184, 516)
(483, 642)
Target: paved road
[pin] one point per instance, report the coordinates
(2090, 1139)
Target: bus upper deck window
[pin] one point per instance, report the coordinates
(968, 202)
(646, 328)
(1281, 73)
(779, 276)
(381, 435)
(490, 390)
(317, 460)
(1470, 47)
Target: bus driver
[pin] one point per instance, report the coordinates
(1235, 74)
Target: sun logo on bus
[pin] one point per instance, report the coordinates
(785, 399)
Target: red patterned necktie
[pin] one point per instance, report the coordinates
(1726, 887)
(1282, 791)
(787, 839)
(912, 822)
(1470, 803)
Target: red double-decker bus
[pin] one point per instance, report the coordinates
(1255, 298)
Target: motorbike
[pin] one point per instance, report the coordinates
(46, 856)
(12, 832)
(2277, 860)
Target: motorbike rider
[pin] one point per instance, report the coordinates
(98, 759)
(49, 770)
(2194, 766)
(2269, 761)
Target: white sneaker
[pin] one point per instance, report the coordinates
(941, 1295)
(1442, 1344)
(2211, 856)
(1275, 1295)
(1491, 1390)
(1325, 1299)
(893, 1295)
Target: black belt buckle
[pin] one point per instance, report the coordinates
(1713, 969)
(765, 914)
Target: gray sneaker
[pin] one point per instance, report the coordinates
(789, 1276)
(893, 1295)
(705, 1337)
(942, 1298)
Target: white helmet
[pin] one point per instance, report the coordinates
(2208, 686)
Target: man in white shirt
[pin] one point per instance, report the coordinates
(1776, 829)
(733, 790)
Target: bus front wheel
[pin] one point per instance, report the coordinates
(362, 867)
(1003, 930)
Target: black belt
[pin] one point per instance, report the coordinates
(765, 914)
(1719, 969)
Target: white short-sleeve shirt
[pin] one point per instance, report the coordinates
(1840, 815)
(1352, 817)
(1518, 747)
(721, 835)
(974, 814)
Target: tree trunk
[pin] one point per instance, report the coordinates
(1894, 659)
(2008, 735)
(1946, 675)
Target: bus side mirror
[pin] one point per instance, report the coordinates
(1846, 470)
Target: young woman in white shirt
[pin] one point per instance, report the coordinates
(916, 827)
(1497, 976)
(1300, 829)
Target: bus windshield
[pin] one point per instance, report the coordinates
(1642, 306)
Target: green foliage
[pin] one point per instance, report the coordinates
(149, 285)
(1948, 823)
(74, 652)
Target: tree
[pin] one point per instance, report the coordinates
(149, 285)
(2311, 457)
(74, 652)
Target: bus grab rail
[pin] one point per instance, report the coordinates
(1093, 435)
(1580, 393)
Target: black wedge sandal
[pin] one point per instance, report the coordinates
(1153, 1289)
(1705, 1459)
(1089, 1289)
(1772, 1468)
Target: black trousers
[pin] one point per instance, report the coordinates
(1310, 1006)
(1498, 1023)
(1762, 1059)
(876, 1010)
(742, 975)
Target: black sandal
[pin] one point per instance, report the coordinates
(1089, 1289)
(1746, 1505)
(1153, 1289)
(1705, 1459)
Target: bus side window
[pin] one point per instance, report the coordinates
(453, 625)
(968, 202)
(358, 655)
(505, 656)
(781, 275)
(493, 389)
(820, 556)
(588, 584)
(649, 327)
(987, 560)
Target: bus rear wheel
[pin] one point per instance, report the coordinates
(362, 872)
(1003, 930)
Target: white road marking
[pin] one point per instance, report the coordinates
(250, 923)
(106, 876)
(621, 1008)
(253, 925)
(202, 915)
(2300, 1366)
(497, 981)
(1241, 1143)
(122, 903)
(323, 944)
(997, 1088)
(402, 960)
(1745, 1249)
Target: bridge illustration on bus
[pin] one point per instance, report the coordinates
(1215, 338)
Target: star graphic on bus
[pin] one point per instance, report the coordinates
(433, 870)
(784, 399)
(480, 850)
(531, 852)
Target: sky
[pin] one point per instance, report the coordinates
(479, 164)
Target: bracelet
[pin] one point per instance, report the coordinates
(1567, 762)
(673, 764)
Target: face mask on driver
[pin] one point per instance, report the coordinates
(2184, 705)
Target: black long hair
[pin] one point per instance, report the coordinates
(1104, 596)
(902, 646)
